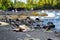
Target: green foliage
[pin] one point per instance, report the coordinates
(19, 5)
(4, 4)
(47, 4)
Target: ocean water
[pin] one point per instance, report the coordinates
(55, 20)
(56, 23)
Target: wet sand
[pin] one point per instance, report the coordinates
(6, 34)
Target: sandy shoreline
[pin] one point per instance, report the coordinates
(38, 34)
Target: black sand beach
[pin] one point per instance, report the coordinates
(7, 34)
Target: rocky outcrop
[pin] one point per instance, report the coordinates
(3, 23)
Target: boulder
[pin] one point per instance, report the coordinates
(3, 23)
(24, 27)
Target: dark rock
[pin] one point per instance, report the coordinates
(49, 39)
